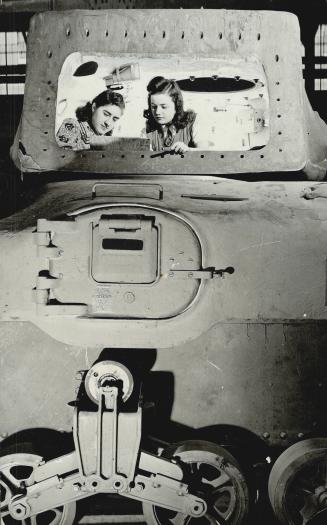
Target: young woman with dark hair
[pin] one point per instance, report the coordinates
(94, 120)
(168, 125)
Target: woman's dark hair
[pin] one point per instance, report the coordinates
(168, 87)
(84, 113)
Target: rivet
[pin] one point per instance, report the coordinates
(266, 435)
(95, 374)
(171, 274)
(300, 435)
(283, 435)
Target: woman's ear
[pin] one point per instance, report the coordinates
(93, 107)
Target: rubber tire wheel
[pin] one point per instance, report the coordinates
(289, 465)
(239, 483)
(28, 448)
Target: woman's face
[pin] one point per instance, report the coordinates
(162, 108)
(104, 118)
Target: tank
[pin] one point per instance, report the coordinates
(163, 292)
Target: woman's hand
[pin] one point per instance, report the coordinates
(179, 147)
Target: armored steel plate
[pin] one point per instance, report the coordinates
(233, 51)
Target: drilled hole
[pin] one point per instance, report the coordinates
(126, 33)
(202, 156)
(258, 36)
(183, 34)
(278, 99)
(277, 83)
(279, 133)
(68, 31)
(279, 116)
(48, 98)
(107, 32)
(277, 58)
(144, 34)
(63, 156)
(242, 156)
(142, 156)
(182, 156)
(222, 156)
(123, 156)
(87, 32)
(103, 156)
(240, 36)
(280, 150)
(201, 34)
(49, 82)
(220, 36)
(47, 115)
(49, 53)
(46, 132)
(164, 34)
(45, 149)
(262, 156)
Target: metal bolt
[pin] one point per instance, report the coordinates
(95, 374)
(139, 487)
(77, 487)
(266, 435)
(283, 435)
(60, 252)
(190, 274)
(300, 435)
(171, 274)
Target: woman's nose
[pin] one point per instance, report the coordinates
(108, 122)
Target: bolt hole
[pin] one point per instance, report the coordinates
(67, 31)
(18, 511)
(142, 156)
(277, 58)
(49, 53)
(222, 156)
(280, 150)
(262, 156)
(144, 34)
(126, 33)
(117, 484)
(107, 32)
(123, 156)
(277, 83)
(220, 36)
(49, 82)
(63, 156)
(94, 483)
(47, 115)
(240, 36)
(45, 149)
(103, 156)
(279, 133)
(46, 132)
(202, 156)
(278, 99)
(87, 32)
(279, 116)
(182, 156)
(183, 35)
(164, 34)
(201, 34)
(258, 36)
(242, 156)
(48, 98)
